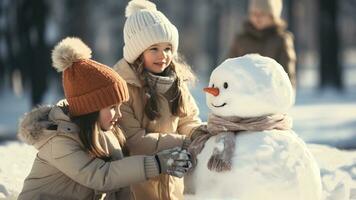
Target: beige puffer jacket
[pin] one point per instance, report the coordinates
(146, 137)
(62, 169)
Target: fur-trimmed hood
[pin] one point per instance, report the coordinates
(43, 123)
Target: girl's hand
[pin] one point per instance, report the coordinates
(175, 162)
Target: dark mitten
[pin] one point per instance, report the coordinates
(174, 162)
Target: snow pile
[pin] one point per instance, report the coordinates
(338, 171)
(15, 165)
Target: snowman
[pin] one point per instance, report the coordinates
(254, 154)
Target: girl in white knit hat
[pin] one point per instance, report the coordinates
(161, 113)
(265, 33)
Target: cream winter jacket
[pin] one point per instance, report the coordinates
(146, 137)
(62, 168)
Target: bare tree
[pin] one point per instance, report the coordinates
(212, 44)
(7, 33)
(33, 54)
(2, 39)
(330, 68)
(77, 20)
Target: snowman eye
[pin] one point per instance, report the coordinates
(226, 85)
(213, 85)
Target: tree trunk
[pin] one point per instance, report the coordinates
(78, 20)
(34, 54)
(212, 43)
(2, 57)
(330, 69)
(42, 53)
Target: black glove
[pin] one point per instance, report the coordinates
(175, 162)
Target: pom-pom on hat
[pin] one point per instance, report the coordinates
(145, 26)
(89, 86)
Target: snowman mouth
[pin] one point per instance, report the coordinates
(222, 105)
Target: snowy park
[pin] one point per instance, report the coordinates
(259, 96)
(329, 137)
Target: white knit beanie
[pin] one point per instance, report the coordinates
(274, 7)
(145, 26)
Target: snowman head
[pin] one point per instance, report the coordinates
(249, 86)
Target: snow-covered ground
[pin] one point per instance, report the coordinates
(327, 118)
(338, 170)
(16, 163)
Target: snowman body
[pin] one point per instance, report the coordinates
(266, 165)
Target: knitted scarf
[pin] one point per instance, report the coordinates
(166, 84)
(217, 124)
(161, 83)
(226, 129)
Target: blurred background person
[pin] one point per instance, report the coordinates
(264, 32)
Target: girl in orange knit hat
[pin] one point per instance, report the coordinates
(80, 150)
(161, 113)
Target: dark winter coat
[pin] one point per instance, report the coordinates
(275, 42)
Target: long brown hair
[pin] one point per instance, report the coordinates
(184, 74)
(89, 135)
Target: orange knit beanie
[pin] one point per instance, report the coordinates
(89, 86)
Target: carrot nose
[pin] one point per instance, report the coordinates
(212, 90)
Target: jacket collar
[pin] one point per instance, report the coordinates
(127, 73)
